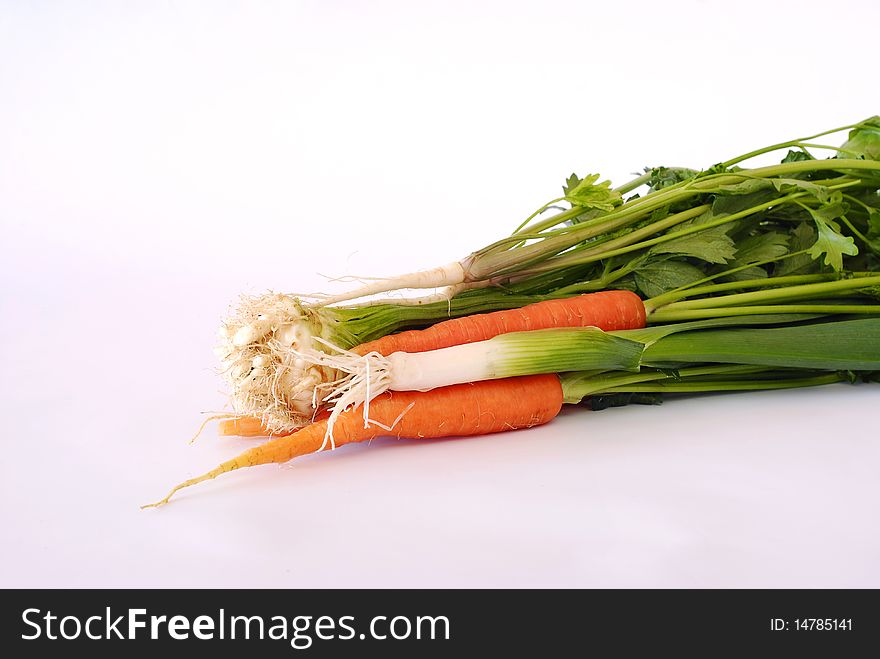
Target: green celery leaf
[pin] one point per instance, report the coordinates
(627, 283)
(760, 247)
(719, 168)
(797, 156)
(752, 186)
(570, 184)
(660, 276)
(663, 177)
(802, 237)
(728, 204)
(820, 192)
(828, 212)
(744, 187)
(588, 194)
(712, 245)
(755, 272)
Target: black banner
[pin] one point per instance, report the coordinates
(289, 623)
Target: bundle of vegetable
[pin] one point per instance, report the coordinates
(757, 278)
(787, 238)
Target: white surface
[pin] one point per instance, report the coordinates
(156, 159)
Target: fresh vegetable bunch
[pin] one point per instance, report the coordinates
(727, 278)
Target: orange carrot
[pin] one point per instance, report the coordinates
(459, 410)
(607, 310)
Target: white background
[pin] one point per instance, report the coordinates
(158, 158)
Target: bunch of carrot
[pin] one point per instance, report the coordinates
(750, 279)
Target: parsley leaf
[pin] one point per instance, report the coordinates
(761, 247)
(831, 242)
(757, 248)
(820, 192)
(659, 276)
(589, 194)
(712, 245)
(802, 237)
(570, 184)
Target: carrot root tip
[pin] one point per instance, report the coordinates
(161, 502)
(222, 469)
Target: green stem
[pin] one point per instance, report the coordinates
(861, 203)
(360, 324)
(673, 387)
(660, 301)
(807, 145)
(798, 167)
(599, 284)
(497, 258)
(800, 292)
(667, 315)
(582, 259)
(644, 232)
(857, 233)
(541, 210)
(580, 384)
(635, 183)
(576, 210)
(782, 145)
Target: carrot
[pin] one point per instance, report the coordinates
(607, 310)
(460, 410)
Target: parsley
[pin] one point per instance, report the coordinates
(586, 193)
(831, 242)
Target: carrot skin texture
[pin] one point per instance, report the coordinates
(607, 310)
(460, 410)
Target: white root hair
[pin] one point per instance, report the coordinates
(363, 377)
(281, 366)
(258, 351)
